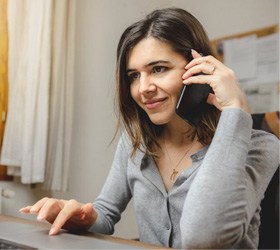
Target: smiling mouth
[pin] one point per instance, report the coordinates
(153, 104)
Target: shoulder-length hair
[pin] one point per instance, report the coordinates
(183, 32)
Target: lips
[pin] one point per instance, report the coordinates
(154, 103)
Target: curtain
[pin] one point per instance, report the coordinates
(3, 77)
(59, 139)
(36, 142)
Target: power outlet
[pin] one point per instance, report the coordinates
(5, 193)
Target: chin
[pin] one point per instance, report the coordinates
(162, 117)
(159, 120)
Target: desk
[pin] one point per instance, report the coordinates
(132, 243)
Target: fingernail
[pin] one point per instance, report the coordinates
(40, 217)
(52, 231)
(33, 211)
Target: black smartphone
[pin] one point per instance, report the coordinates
(192, 101)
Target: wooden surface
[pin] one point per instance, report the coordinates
(128, 242)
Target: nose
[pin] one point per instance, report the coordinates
(146, 85)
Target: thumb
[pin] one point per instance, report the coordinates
(213, 101)
(88, 212)
(88, 208)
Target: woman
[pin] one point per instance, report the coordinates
(192, 186)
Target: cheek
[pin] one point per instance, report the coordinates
(179, 85)
(134, 93)
(178, 90)
(174, 77)
(174, 87)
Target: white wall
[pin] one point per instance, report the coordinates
(99, 26)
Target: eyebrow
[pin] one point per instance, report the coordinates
(149, 64)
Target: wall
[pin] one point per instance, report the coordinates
(99, 26)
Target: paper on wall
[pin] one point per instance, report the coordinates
(240, 54)
(256, 64)
(254, 60)
(262, 97)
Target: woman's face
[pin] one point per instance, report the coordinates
(155, 71)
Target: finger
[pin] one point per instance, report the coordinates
(34, 209)
(50, 210)
(200, 79)
(70, 209)
(195, 54)
(198, 59)
(38, 205)
(205, 68)
(212, 70)
(213, 101)
(25, 210)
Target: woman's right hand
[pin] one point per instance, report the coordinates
(227, 90)
(70, 215)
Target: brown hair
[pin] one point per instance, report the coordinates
(183, 32)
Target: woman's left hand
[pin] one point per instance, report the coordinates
(227, 91)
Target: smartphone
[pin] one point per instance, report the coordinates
(192, 101)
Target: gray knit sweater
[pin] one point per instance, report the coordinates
(213, 204)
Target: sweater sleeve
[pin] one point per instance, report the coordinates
(230, 183)
(115, 193)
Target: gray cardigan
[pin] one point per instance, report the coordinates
(215, 203)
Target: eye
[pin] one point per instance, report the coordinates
(133, 76)
(159, 69)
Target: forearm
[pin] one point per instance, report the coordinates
(115, 193)
(223, 196)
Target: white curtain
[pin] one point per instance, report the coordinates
(59, 139)
(36, 142)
